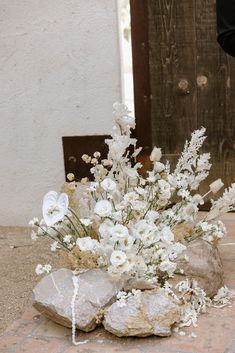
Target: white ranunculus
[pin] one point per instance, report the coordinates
(54, 207)
(156, 154)
(120, 231)
(86, 243)
(118, 258)
(103, 208)
(108, 184)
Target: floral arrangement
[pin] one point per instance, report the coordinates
(134, 226)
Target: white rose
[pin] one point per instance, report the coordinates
(86, 243)
(118, 258)
(108, 184)
(103, 208)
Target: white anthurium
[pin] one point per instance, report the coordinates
(54, 207)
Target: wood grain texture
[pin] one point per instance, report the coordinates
(172, 60)
(216, 98)
(75, 146)
(142, 95)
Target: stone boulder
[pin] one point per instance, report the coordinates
(151, 312)
(53, 294)
(203, 264)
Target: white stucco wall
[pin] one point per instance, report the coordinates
(59, 75)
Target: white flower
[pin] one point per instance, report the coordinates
(166, 235)
(70, 176)
(168, 266)
(156, 154)
(105, 229)
(34, 235)
(67, 238)
(159, 167)
(86, 221)
(152, 215)
(86, 243)
(47, 268)
(54, 207)
(216, 186)
(54, 246)
(120, 231)
(103, 208)
(118, 258)
(108, 184)
(34, 222)
(93, 186)
(40, 269)
(121, 112)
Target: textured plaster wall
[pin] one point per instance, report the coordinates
(59, 75)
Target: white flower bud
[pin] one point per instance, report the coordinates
(156, 154)
(216, 186)
(70, 176)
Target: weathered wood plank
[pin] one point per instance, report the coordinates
(215, 94)
(172, 72)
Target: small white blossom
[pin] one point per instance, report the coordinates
(86, 221)
(118, 258)
(40, 269)
(86, 243)
(67, 238)
(54, 246)
(156, 154)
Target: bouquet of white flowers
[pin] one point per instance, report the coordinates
(128, 223)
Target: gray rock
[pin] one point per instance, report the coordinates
(53, 294)
(151, 312)
(204, 265)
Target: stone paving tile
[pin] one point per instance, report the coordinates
(33, 333)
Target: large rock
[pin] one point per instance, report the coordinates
(53, 294)
(203, 265)
(151, 312)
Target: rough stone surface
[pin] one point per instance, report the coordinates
(53, 294)
(204, 265)
(147, 313)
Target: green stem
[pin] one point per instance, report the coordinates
(82, 225)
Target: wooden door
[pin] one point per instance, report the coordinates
(183, 80)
